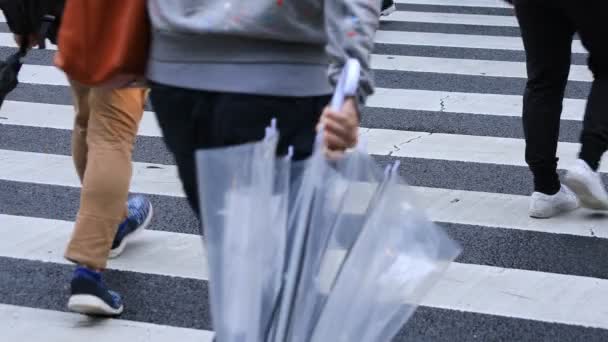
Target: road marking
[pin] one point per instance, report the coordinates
(50, 75)
(29, 324)
(463, 148)
(463, 3)
(7, 40)
(445, 205)
(52, 169)
(42, 74)
(472, 67)
(458, 40)
(153, 252)
(47, 115)
(466, 103)
(162, 179)
(452, 18)
(466, 287)
(61, 116)
(538, 296)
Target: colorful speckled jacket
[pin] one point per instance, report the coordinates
(277, 47)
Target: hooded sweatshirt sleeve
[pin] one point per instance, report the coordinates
(351, 26)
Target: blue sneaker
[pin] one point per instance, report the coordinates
(140, 215)
(91, 296)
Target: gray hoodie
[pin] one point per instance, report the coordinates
(267, 47)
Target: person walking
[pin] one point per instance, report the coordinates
(105, 128)
(548, 28)
(219, 73)
(102, 143)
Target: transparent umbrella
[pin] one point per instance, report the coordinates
(241, 204)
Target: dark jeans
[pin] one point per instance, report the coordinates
(548, 28)
(192, 120)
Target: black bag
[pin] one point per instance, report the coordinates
(26, 17)
(42, 17)
(8, 74)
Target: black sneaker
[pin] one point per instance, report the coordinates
(91, 296)
(388, 7)
(140, 215)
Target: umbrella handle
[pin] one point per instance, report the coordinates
(347, 84)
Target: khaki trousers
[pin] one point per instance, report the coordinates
(102, 144)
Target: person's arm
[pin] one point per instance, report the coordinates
(351, 26)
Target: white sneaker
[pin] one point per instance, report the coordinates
(388, 10)
(588, 186)
(546, 206)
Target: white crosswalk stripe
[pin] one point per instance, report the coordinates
(458, 40)
(464, 287)
(518, 278)
(161, 179)
(459, 102)
(41, 74)
(58, 116)
(21, 322)
(473, 67)
(451, 18)
(7, 39)
(466, 3)
(61, 116)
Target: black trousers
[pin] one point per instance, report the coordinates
(548, 28)
(192, 120)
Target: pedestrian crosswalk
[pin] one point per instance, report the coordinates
(457, 40)
(20, 322)
(460, 146)
(451, 18)
(464, 3)
(465, 67)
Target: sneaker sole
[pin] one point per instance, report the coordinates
(538, 215)
(586, 196)
(91, 305)
(116, 252)
(388, 11)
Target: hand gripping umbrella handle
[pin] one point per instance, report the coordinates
(347, 84)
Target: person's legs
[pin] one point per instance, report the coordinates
(590, 22)
(112, 128)
(81, 124)
(106, 173)
(184, 118)
(547, 35)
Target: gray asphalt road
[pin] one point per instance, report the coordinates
(183, 302)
